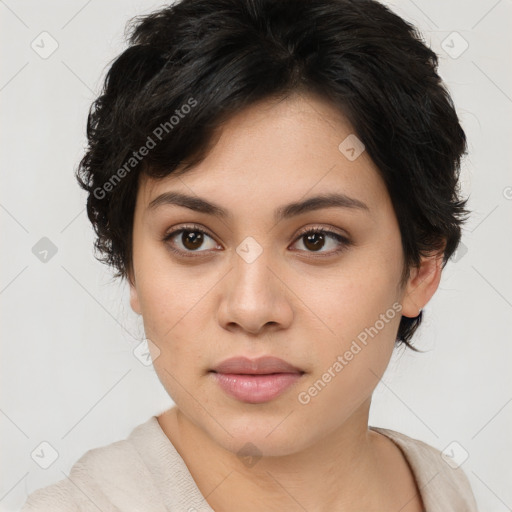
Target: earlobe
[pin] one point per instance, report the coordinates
(422, 284)
(134, 296)
(134, 300)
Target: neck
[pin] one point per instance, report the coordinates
(332, 473)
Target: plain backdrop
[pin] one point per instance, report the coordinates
(69, 376)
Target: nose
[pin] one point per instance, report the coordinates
(255, 296)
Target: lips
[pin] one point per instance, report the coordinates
(261, 366)
(255, 381)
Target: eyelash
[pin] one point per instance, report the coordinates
(345, 242)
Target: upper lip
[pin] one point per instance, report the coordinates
(259, 366)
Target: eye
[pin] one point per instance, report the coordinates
(314, 239)
(192, 237)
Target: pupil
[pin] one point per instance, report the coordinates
(193, 238)
(314, 245)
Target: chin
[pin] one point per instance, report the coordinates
(259, 436)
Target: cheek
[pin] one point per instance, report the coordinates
(167, 292)
(354, 297)
(360, 314)
(174, 313)
(172, 326)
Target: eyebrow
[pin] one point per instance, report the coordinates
(198, 204)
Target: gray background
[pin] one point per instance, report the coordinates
(69, 374)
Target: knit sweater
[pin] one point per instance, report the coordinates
(145, 473)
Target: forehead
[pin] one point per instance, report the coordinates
(276, 152)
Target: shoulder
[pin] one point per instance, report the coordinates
(442, 482)
(109, 476)
(53, 498)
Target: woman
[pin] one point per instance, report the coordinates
(277, 181)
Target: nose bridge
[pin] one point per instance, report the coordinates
(252, 262)
(254, 296)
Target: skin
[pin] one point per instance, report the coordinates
(307, 310)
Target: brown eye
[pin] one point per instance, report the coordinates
(188, 240)
(192, 239)
(314, 240)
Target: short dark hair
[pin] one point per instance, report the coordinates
(219, 56)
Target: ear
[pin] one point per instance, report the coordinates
(422, 284)
(134, 297)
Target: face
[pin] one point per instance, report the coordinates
(248, 283)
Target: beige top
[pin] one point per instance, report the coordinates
(145, 473)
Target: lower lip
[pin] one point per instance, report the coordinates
(256, 389)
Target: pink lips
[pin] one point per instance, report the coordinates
(258, 380)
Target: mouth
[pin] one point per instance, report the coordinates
(256, 381)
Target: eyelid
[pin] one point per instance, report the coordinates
(187, 227)
(321, 228)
